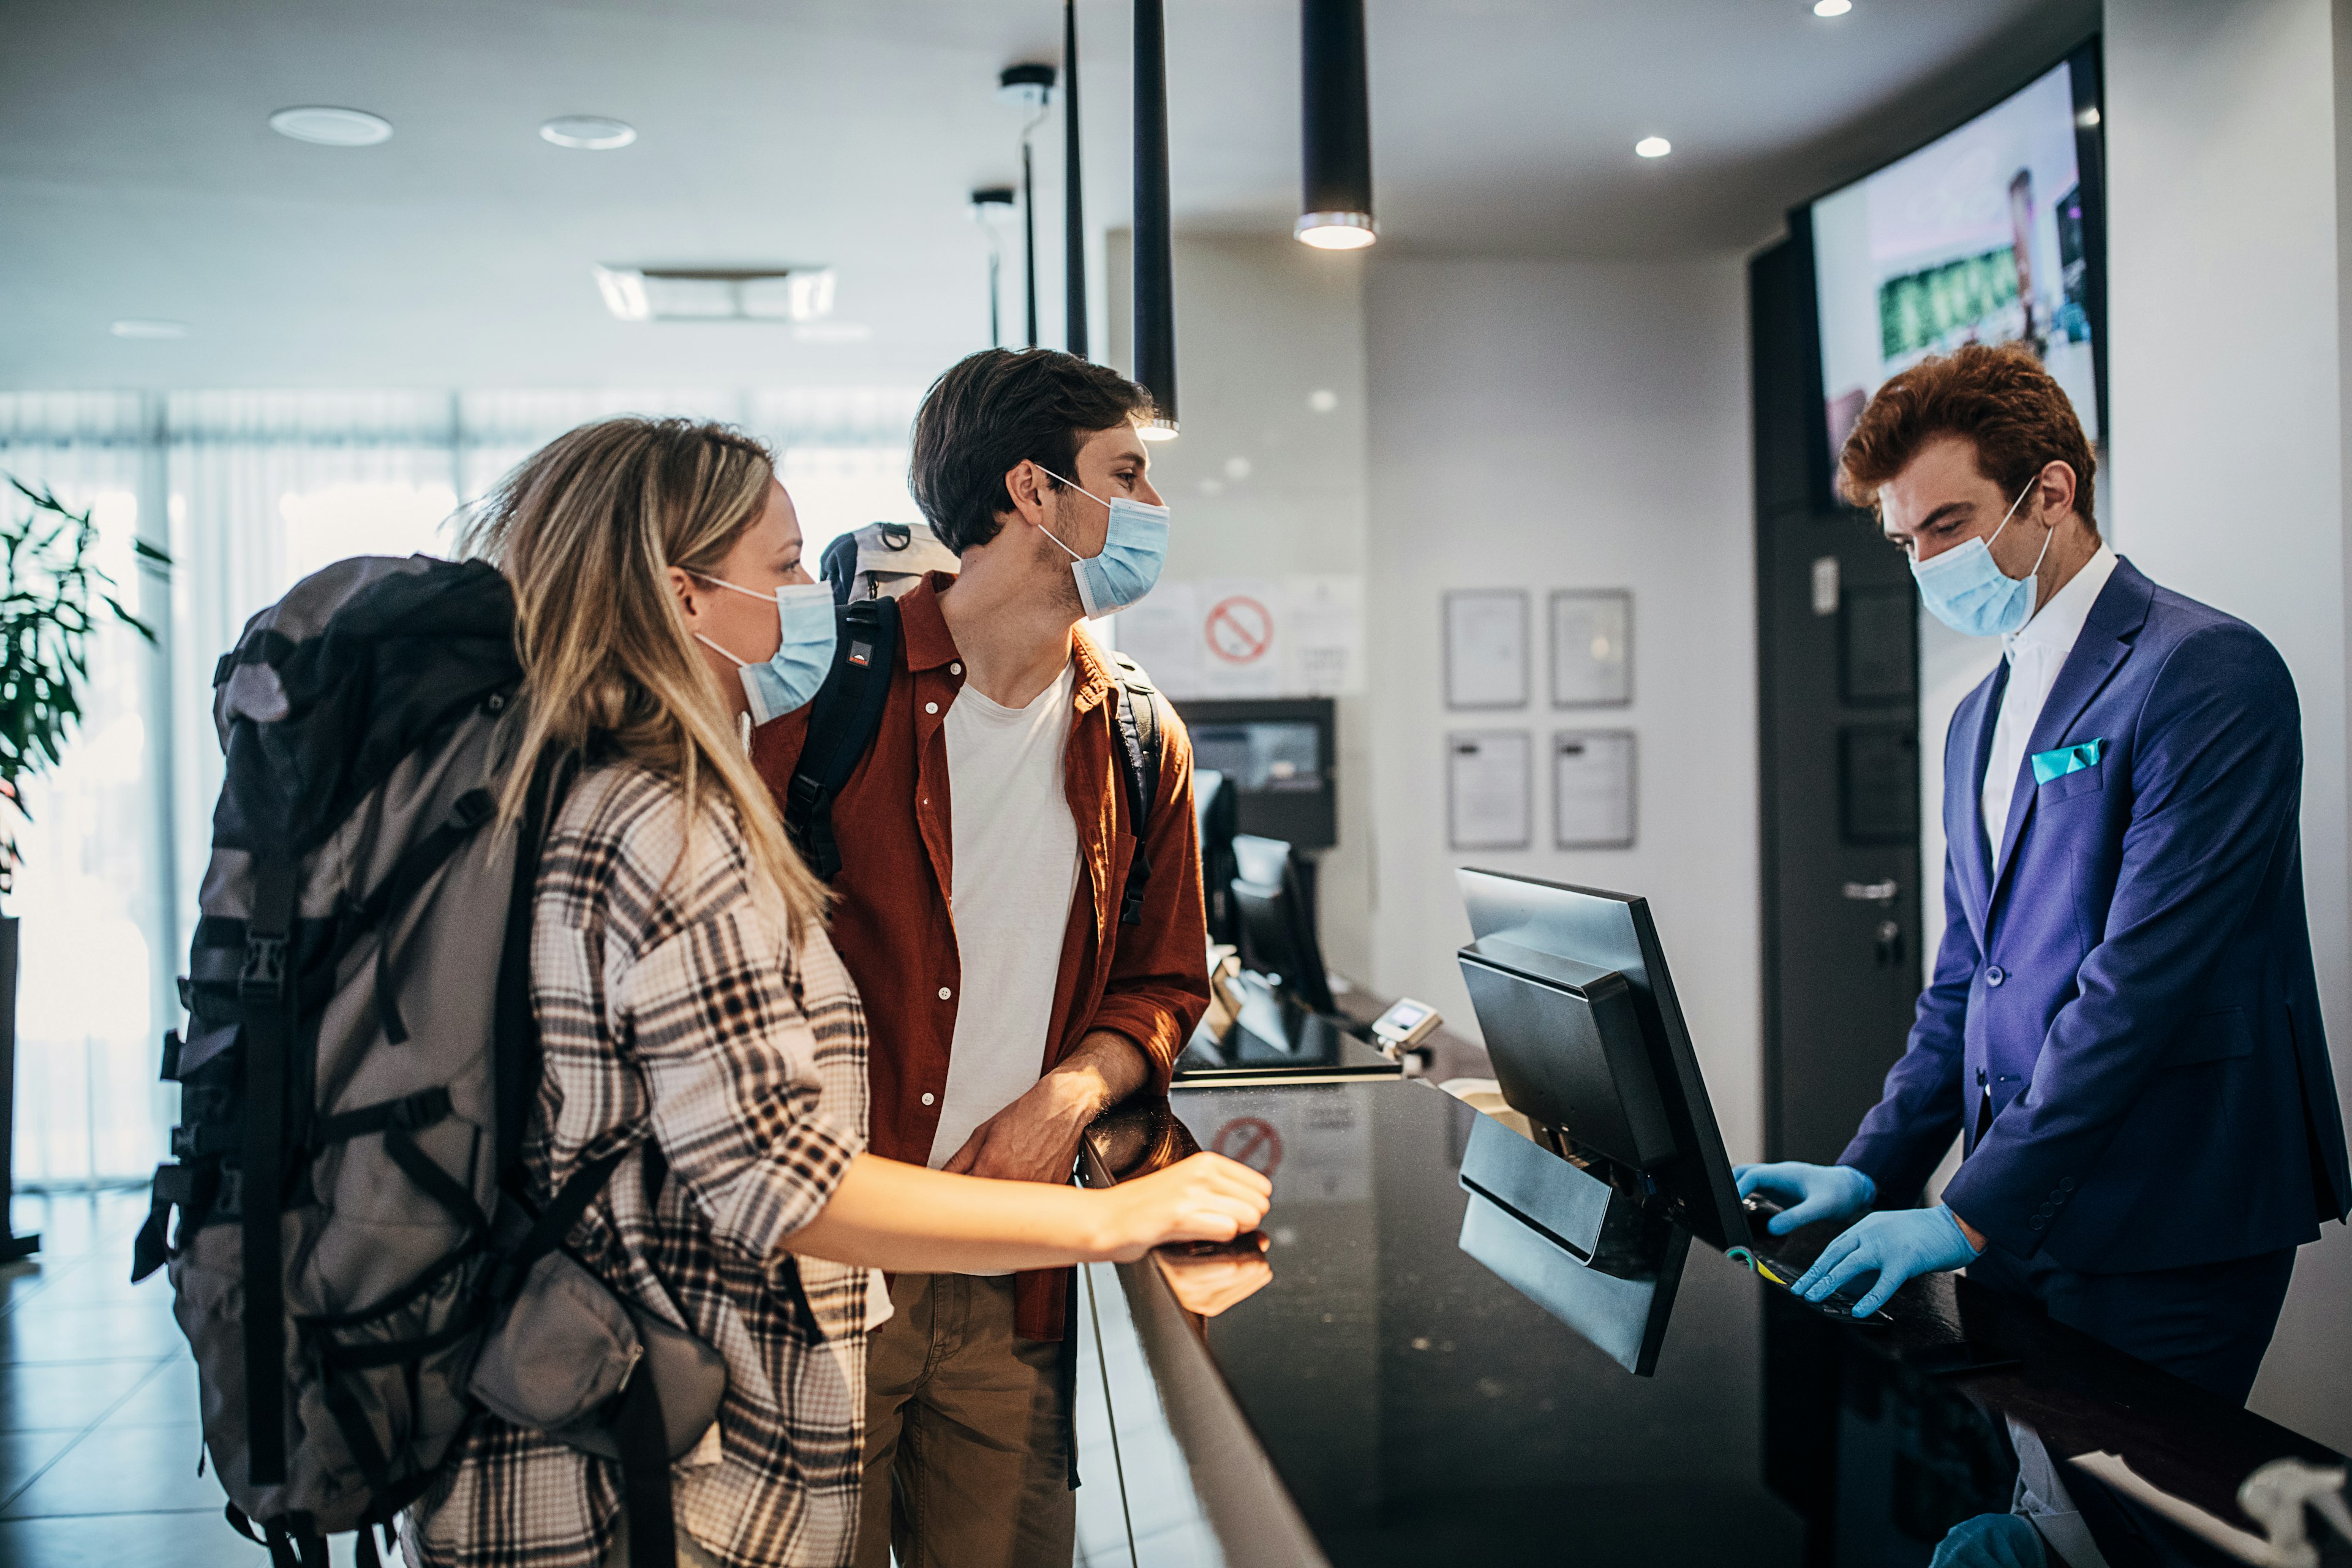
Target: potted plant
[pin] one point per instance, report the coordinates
(53, 596)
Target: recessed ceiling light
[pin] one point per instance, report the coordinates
(1654, 147)
(590, 133)
(1831, 8)
(325, 127)
(145, 327)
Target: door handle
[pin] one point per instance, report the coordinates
(1873, 892)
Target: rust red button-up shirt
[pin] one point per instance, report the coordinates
(893, 927)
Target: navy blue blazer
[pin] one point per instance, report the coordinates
(2130, 976)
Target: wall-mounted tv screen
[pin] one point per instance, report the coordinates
(1993, 234)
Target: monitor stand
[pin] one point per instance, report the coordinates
(1274, 1040)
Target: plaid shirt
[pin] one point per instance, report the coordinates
(671, 1008)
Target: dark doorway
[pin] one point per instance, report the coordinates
(1837, 627)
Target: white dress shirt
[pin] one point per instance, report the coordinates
(2036, 652)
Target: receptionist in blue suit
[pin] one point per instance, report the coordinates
(2123, 1024)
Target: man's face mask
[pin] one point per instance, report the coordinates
(788, 678)
(1964, 589)
(1135, 547)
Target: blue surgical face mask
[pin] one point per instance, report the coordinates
(1135, 547)
(789, 676)
(1965, 589)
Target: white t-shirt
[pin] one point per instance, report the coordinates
(1015, 854)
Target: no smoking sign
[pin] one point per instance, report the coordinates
(1239, 630)
(1251, 1141)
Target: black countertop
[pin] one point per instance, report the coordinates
(1355, 1386)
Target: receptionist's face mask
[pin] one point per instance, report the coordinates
(1968, 592)
(1135, 547)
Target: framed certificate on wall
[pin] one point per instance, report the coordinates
(1593, 789)
(1591, 647)
(1487, 647)
(1488, 789)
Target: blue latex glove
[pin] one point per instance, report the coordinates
(1807, 1192)
(1897, 1244)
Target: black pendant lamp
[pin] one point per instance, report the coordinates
(1155, 270)
(1031, 86)
(1335, 213)
(1074, 206)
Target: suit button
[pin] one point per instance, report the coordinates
(927, 1099)
(2065, 1184)
(2047, 1210)
(931, 707)
(2036, 1222)
(945, 992)
(1995, 975)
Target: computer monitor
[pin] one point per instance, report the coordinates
(1580, 1015)
(1277, 925)
(1215, 800)
(1279, 756)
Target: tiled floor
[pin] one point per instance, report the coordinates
(99, 1442)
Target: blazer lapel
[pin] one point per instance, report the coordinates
(1972, 856)
(2106, 641)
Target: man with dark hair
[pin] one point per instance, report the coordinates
(986, 841)
(2123, 1024)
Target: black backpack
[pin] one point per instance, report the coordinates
(848, 713)
(357, 1267)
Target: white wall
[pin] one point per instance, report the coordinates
(1560, 425)
(2223, 119)
(1266, 479)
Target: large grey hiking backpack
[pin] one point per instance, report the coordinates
(357, 1266)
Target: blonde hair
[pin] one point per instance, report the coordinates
(587, 529)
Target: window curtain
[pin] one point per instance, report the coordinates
(251, 492)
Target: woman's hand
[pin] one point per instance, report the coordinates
(1205, 1198)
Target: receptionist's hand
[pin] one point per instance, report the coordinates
(1896, 1245)
(1807, 1192)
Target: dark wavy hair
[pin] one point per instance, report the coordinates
(996, 409)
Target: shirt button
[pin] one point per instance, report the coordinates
(927, 1099)
(931, 707)
(955, 669)
(1995, 975)
(945, 992)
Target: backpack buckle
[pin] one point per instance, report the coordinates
(262, 974)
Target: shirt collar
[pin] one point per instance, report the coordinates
(2058, 624)
(930, 645)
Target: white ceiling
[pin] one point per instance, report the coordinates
(138, 179)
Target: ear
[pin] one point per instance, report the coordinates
(2057, 488)
(688, 593)
(1025, 484)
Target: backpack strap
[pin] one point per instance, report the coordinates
(1139, 731)
(266, 990)
(842, 722)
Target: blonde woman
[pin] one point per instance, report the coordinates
(691, 1009)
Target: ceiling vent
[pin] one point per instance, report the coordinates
(788, 294)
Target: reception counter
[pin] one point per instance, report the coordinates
(1386, 1375)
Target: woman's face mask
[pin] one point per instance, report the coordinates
(790, 676)
(1135, 547)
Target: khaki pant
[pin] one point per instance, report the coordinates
(967, 1457)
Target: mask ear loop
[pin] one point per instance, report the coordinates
(1082, 490)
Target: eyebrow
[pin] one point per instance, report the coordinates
(1941, 513)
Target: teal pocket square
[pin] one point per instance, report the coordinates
(2057, 764)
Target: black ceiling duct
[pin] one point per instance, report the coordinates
(1074, 205)
(1155, 270)
(1336, 212)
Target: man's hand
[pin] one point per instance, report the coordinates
(1896, 1246)
(1035, 1138)
(1807, 1192)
